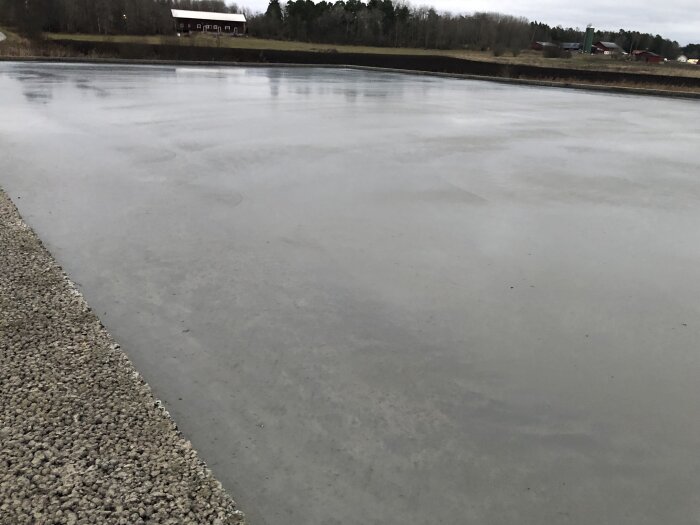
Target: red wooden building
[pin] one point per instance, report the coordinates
(607, 48)
(647, 56)
(191, 21)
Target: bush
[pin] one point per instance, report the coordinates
(498, 50)
(555, 52)
(515, 51)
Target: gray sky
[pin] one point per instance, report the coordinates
(675, 19)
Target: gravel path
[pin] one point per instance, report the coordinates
(82, 439)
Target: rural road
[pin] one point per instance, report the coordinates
(372, 298)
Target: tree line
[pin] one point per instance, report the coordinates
(388, 23)
(375, 22)
(397, 24)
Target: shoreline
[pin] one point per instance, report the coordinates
(606, 88)
(84, 438)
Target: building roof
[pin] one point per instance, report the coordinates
(205, 15)
(611, 45)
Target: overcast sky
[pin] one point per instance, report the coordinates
(675, 19)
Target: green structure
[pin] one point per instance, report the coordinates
(588, 40)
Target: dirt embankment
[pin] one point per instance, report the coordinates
(190, 51)
(425, 63)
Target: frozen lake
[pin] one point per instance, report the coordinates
(373, 298)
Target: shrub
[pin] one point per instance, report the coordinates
(555, 52)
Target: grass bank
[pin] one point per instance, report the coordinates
(581, 70)
(18, 46)
(526, 57)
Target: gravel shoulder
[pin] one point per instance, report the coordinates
(82, 438)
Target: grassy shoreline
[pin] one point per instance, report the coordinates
(526, 57)
(581, 71)
(619, 88)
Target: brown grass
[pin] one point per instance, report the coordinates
(605, 63)
(11, 36)
(13, 45)
(18, 46)
(620, 84)
(27, 49)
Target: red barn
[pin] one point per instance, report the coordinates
(647, 56)
(190, 21)
(607, 48)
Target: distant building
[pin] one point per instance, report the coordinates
(607, 48)
(203, 21)
(647, 56)
(572, 46)
(539, 46)
(693, 61)
(682, 58)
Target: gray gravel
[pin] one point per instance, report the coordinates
(82, 438)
